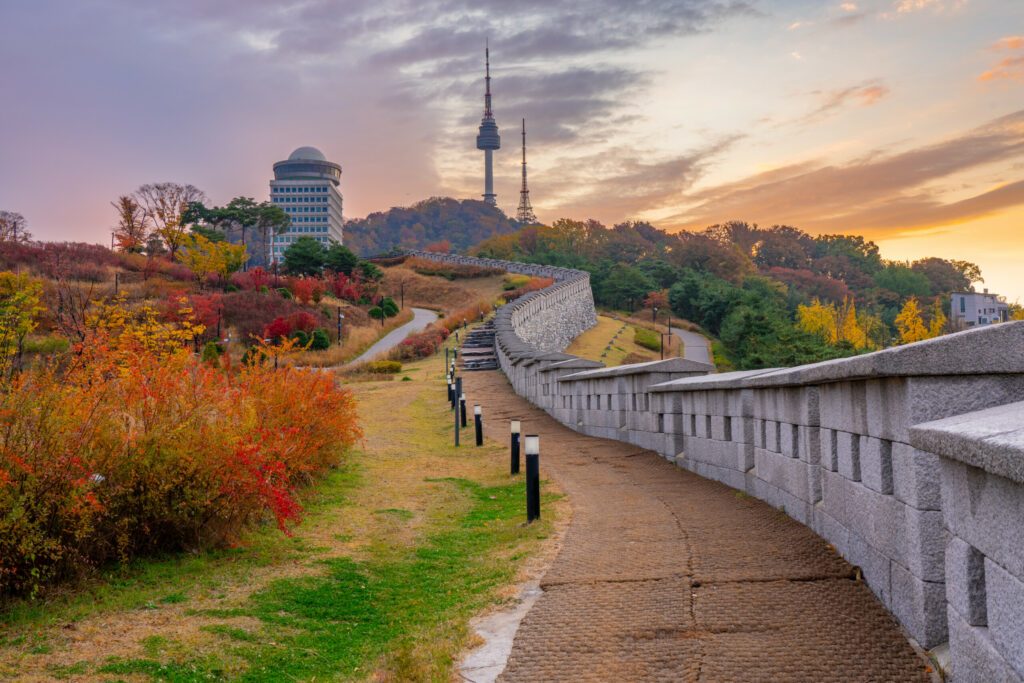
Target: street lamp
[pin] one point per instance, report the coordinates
(654, 314)
(341, 316)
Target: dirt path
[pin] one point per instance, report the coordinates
(664, 575)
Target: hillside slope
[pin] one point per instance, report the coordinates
(463, 223)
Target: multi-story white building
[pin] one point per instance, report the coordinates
(306, 186)
(970, 309)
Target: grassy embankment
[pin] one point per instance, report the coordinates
(398, 549)
(620, 342)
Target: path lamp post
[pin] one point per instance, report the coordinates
(341, 316)
(516, 429)
(448, 380)
(458, 390)
(654, 314)
(117, 282)
(401, 289)
(478, 420)
(446, 357)
(462, 408)
(532, 448)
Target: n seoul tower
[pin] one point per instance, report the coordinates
(487, 139)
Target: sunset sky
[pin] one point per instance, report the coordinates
(902, 120)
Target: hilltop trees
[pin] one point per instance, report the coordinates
(235, 221)
(462, 222)
(13, 227)
(777, 284)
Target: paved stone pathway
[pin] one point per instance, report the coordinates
(696, 347)
(421, 317)
(665, 576)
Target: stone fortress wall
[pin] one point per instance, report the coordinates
(909, 461)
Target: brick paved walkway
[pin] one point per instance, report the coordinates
(667, 576)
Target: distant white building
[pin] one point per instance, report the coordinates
(306, 186)
(970, 309)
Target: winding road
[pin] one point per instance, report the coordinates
(421, 317)
(696, 347)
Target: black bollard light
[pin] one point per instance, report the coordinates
(516, 428)
(532, 447)
(478, 419)
(456, 425)
(446, 357)
(451, 388)
(462, 407)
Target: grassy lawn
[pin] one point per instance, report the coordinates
(615, 339)
(397, 550)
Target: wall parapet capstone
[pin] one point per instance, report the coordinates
(909, 461)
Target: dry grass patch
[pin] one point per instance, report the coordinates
(615, 339)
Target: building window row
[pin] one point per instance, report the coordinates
(309, 219)
(295, 200)
(306, 209)
(292, 189)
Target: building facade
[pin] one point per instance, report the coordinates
(970, 309)
(306, 187)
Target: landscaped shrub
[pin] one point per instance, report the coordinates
(389, 307)
(648, 339)
(211, 352)
(384, 367)
(137, 447)
(319, 340)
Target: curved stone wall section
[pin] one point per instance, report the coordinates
(547, 320)
(909, 461)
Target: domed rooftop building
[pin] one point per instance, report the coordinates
(306, 186)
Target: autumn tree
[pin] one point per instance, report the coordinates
(938, 319)
(204, 257)
(132, 227)
(13, 227)
(164, 205)
(240, 216)
(658, 299)
(819, 319)
(19, 308)
(909, 324)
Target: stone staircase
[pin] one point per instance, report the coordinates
(477, 351)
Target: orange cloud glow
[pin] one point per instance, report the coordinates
(1008, 68)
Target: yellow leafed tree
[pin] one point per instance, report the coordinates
(819, 319)
(850, 329)
(205, 257)
(938, 321)
(909, 323)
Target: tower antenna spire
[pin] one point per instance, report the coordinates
(525, 214)
(487, 80)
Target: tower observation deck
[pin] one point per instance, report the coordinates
(487, 139)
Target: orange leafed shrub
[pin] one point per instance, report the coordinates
(467, 315)
(132, 450)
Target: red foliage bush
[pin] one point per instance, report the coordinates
(251, 279)
(346, 288)
(420, 345)
(127, 453)
(449, 271)
(301, 288)
(251, 312)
